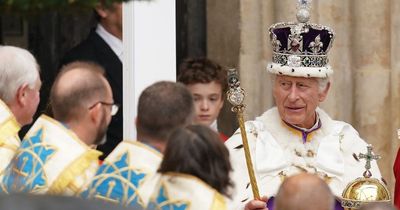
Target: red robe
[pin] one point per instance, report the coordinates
(223, 137)
(396, 170)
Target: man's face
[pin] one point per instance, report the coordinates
(100, 138)
(116, 15)
(297, 98)
(112, 16)
(33, 99)
(105, 118)
(208, 101)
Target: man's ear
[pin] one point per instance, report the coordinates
(22, 95)
(322, 95)
(96, 113)
(101, 10)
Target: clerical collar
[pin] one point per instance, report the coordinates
(315, 126)
(304, 131)
(112, 41)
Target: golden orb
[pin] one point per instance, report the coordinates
(362, 191)
(365, 189)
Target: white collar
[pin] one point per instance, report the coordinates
(112, 41)
(329, 157)
(214, 126)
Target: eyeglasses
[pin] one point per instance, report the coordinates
(114, 107)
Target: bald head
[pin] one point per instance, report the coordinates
(378, 206)
(304, 192)
(78, 86)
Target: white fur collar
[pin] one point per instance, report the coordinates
(284, 152)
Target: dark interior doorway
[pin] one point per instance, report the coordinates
(191, 29)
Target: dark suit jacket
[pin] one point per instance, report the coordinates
(95, 49)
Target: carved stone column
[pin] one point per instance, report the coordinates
(337, 15)
(370, 45)
(255, 51)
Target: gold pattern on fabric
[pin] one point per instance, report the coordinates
(164, 201)
(113, 174)
(34, 154)
(218, 202)
(75, 169)
(9, 128)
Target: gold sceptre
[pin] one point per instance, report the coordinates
(235, 96)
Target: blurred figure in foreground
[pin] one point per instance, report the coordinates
(194, 172)
(126, 176)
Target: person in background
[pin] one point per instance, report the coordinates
(127, 174)
(57, 155)
(207, 81)
(377, 206)
(104, 47)
(195, 171)
(304, 192)
(19, 98)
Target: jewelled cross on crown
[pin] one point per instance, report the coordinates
(368, 157)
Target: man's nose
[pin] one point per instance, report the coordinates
(294, 93)
(204, 105)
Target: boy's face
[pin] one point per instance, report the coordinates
(208, 101)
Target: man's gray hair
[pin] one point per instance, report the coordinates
(323, 83)
(17, 67)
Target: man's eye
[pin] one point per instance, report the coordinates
(285, 84)
(302, 85)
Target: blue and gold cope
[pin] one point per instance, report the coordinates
(51, 160)
(27, 174)
(164, 202)
(118, 183)
(127, 176)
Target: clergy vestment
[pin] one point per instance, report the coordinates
(279, 150)
(51, 160)
(9, 140)
(126, 175)
(185, 192)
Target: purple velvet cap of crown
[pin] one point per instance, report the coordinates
(326, 37)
